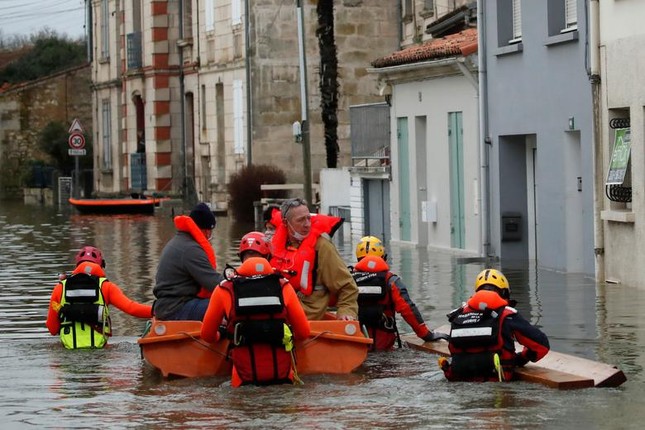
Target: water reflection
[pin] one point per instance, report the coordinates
(43, 384)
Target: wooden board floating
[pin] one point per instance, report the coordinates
(555, 370)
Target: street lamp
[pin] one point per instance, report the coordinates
(304, 106)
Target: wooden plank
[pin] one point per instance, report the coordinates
(556, 369)
(530, 373)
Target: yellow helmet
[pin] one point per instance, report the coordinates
(370, 245)
(493, 278)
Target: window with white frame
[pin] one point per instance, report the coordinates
(105, 29)
(209, 14)
(106, 134)
(428, 5)
(238, 117)
(407, 8)
(570, 14)
(236, 12)
(187, 11)
(517, 21)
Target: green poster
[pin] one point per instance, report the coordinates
(620, 157)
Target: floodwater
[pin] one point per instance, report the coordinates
(45, 386)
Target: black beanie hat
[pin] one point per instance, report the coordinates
(203, 216)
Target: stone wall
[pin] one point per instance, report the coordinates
(364, 30)
(28, 107)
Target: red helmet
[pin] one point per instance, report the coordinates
(255, 241)
(91, 254)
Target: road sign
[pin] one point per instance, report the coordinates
(76, 127)
(76, 141)
(76, 151)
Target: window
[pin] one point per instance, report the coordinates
(407, 8)
(106, 137)
(428, 5)
(517, 21)
(105, 29)
(509, 27)
(236, 12)
(187, 22)
(570, 14)
(238, 117)
(203, 108)
(562, 16)
(209, 6)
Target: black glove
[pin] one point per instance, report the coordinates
(223, 333)
(520, 360)
(432, 336)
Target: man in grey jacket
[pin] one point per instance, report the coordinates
(186, 273)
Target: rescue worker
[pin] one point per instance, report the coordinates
(254, 244)
(78, 308)
(381, 295)
(186, 274)
(484, 331)
(303, 251)
(263, 316)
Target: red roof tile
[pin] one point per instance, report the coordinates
(462, 43)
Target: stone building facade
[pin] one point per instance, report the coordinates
(25, 109)
(202, 89)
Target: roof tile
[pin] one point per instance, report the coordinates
(462, 43)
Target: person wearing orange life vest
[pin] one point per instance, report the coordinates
(272, 219)
(382, 295)
(78, 307)
(263, 316)
(484, 331)
(186, 274)
(302, 249)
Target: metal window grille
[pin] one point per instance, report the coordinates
(133, 41)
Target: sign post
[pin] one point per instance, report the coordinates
(76, 143)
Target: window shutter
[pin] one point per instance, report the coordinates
(571, 13)
(236, 12)
(517, 19)
(238, 117)
(209, 6)
(107, 134)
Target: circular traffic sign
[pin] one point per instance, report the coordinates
(76, 141)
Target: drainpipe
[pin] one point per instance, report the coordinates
(182, 146)
(247, 65)
(599, 185)
(484, 138)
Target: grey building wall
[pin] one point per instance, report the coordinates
(539, 94)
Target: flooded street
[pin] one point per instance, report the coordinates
(46, 386)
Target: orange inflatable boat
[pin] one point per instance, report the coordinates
(175, 348)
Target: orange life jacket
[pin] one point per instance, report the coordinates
(256, 326)
(186, 224)
(299, 264)
(477, 333)
(375, 305)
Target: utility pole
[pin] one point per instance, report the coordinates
(304, 106)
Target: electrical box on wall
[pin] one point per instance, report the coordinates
(511, 227)
(429, 211)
